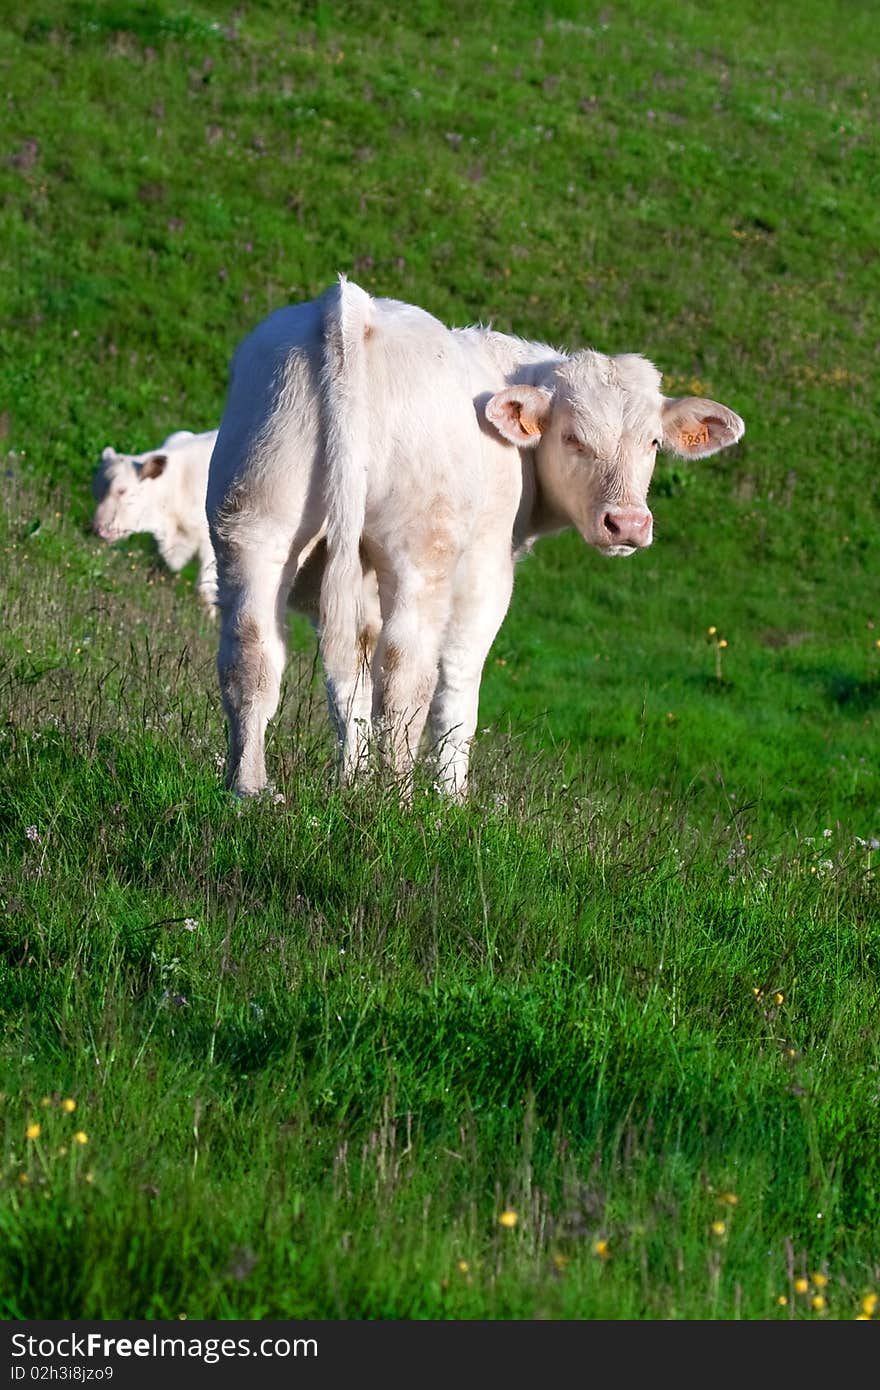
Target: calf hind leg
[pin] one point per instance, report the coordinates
(250, 661)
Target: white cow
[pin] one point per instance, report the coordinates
(409, 464)
(161, 491)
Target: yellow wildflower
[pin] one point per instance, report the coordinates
(801, 1285)
(600, 1248)
(508, 1219)
(729, 1198)
(718, 1228)
(779, 997)
(463, 1266)
(69, 1105)
(869, 1303)
(80, 1137)
(818, 1302)
(820, 1280)
(32, 1132)
(782, 1300)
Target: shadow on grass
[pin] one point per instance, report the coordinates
(850, 692)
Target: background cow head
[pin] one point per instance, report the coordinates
(127, 489)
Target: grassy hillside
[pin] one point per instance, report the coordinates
(626, 998)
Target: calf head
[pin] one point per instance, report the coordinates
(127, 489)
(597, 423)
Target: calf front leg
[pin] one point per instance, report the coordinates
(405, 672)
(206, 584)
(350, 703)
(348, 682)
(480, 603)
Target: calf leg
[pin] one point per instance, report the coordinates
(350, 703)
(350, 694)
(405, 670)
(254, 584)
(357, 735)
(480, 603)
(206, 584)
(349, 697)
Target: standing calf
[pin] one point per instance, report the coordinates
(410, 464)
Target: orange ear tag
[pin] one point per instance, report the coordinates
(693, 439)
(529, 426)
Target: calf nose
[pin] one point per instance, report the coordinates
(627, 526)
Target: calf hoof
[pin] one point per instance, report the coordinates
(241, 789)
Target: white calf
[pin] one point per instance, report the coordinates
(163, 492)
(418, 461)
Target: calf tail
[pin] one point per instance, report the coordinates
(347, 324)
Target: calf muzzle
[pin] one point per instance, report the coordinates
(629, 526)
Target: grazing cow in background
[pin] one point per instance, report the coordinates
(419, 462)
(161, 491)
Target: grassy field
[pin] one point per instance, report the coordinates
(602, 1043)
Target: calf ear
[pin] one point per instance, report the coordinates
(694, 427)
(153, 467)
(520, 413)
(108, 455)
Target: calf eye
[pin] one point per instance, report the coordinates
(655, 443)
(572, 441)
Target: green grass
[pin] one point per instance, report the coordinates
(635, 977)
